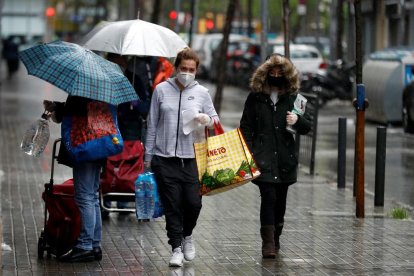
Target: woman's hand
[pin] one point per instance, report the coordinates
(203, 119)
(291, 118)
(49, 105)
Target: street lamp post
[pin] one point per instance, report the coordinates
(360, 104)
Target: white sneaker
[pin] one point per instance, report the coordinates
(177, 257)
(188, 248)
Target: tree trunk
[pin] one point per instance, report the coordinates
(340, 29)
(156, 11)
(286, 13)
(249, 18)
(192, 23)
(351, 32)
(333, 30)
(221, 68)
(97, 18)
(264, 14)
(134, 7)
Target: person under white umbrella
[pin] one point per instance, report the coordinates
(137, 38)
(144, 41)
(134, 37)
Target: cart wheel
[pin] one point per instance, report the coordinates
(41, 245)
(104, 214)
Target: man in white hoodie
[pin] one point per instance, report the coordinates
(170, 154)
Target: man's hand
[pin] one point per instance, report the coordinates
(147, 165)
(291, 118)
(49, 105)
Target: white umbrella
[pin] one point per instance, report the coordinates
(134, 37)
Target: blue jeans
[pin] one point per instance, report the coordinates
(86, 178)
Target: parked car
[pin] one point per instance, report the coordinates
(321, 43)
(237, 51)
(306, 58)
(205, 44)
(388, 76)
(243, 57)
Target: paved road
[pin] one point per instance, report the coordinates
(321, 237)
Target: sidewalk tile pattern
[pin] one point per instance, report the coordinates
(321, 234)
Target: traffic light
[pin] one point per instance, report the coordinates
(209, 24)
(173, 15)
(50, 12)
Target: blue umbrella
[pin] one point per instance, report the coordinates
(79, 72)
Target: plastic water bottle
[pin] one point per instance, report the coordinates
(141, 210)
(149, 194)
(36, 137)
(158, 208)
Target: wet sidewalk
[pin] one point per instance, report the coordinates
(321, 235)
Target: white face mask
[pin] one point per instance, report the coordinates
(185, 78)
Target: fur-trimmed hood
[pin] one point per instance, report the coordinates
(258, 82)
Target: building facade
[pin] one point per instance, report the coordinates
(24, 18)
(387, 23)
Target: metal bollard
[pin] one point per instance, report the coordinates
(341, 168)
(380, 165)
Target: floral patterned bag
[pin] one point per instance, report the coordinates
(95, 136)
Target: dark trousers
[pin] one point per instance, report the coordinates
(273, 205)
(179, 190)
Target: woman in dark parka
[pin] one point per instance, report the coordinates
(266, 114)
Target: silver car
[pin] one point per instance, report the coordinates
(306, 58)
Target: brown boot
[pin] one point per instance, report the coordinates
(268, 243)
(278, 232)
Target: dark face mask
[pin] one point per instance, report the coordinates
(276, 81)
